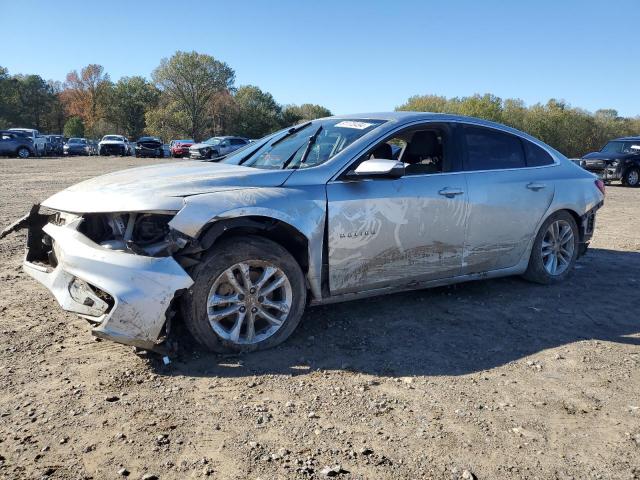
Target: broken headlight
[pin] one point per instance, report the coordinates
(141, 233)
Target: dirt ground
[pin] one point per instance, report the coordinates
(495, 379)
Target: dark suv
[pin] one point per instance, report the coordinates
(14, 144)
(619, 159)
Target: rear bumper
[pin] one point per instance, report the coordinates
(587, 227)
(124, 295)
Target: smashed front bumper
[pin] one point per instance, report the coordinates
(605, 173)
(124, 295)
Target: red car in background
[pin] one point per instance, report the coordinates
(180, 148)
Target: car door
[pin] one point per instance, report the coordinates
(6, 143)
(224, 147)
(395, 232)
(507, 196)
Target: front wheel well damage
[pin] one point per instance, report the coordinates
(278, 231)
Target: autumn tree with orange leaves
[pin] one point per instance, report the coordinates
(86, 93)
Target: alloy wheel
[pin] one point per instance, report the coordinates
(249, 302)
(557, 247)
(633, 177)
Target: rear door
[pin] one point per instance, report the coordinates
(510, 184)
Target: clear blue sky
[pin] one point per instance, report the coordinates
(351, 55)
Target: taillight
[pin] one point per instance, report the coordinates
(600, 185)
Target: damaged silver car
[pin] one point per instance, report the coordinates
(330, 210)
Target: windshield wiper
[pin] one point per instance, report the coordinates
(290, 132)
(310, 144)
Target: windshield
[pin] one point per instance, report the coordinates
(213, 141)
(76, 140)
(112, 137)
(621, 147)
(328, 138)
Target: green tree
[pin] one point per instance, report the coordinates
(426, 103)
(55, 116)
(129, 100)
(8, 98)
(74, 127)
(36, 98)
(258, 112)
(190, 80)
(293, 114)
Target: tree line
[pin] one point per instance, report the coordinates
(193, 95)
(570, 130)
(190, 95)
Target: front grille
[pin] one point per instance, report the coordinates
(595, 163)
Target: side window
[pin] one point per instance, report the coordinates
(489, 149)
(536, 156)
(237, 141)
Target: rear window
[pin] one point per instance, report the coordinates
(489, 149)
(536, 156)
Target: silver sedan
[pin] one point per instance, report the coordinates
(330, 210)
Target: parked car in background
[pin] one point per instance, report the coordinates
(92, 147)
(314, 214)
(180, 148)
(14, 144)
(39, 141)
(216, 147)
(166, 150)
(55, 145)
(76, 146)
(149, 147)
(619, 159)
(114, 145)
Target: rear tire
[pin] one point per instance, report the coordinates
(258, 325)
(563, 245)
(23, 153)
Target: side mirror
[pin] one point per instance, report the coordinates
(379, 168)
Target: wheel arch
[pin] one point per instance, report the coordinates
(276, 230)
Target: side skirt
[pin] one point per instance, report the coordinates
(505, 272)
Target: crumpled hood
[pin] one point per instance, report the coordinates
(159, 187)
(202, 145)
(609, 156)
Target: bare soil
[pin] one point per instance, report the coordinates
(502, 378)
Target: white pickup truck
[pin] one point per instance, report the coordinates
(39, 141)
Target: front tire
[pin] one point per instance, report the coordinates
(249, 294)
(631, 177)
(555, 250)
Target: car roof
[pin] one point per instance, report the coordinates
(626, 139)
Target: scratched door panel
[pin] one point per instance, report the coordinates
(394, 232)
(503, 216)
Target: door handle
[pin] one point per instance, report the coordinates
(451, 192)
(535, 186)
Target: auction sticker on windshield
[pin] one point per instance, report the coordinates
(352, 124)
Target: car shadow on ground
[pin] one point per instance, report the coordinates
(452, 330)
